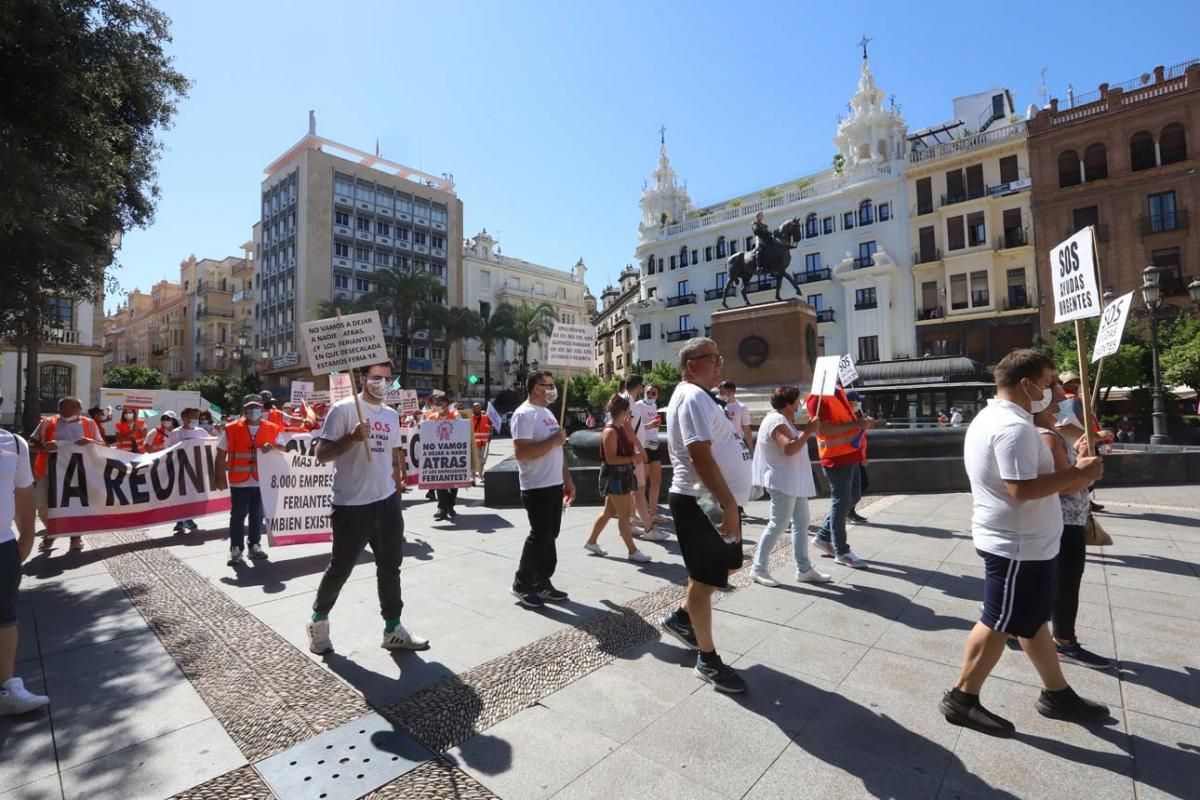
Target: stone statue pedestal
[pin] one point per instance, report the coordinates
(769, 345)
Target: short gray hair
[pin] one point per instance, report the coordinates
(691, 349)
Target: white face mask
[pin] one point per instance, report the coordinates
(377, 388)
(652, 400)
(1038, 406)
(551, 395)
(74, 418)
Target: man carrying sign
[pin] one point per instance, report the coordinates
(366, 506)
(839, 445)
(237, 453)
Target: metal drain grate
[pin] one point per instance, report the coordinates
(343, 763)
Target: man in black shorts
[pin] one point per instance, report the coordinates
(711, 469)
(1016, 526)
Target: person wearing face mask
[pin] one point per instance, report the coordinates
(632, 392)
(736, 411)
(131, 431)
(67, 426)
(100, 416)
(1017, 525)
(481, 432)
(618, 480)
(206, 423)
(647, 407)
(237, 468)
(856, 404)
(366, 507)
(839, 445)
(440, 408)
(190, 429)
(157, 438)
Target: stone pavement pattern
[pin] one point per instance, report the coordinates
(170, 674)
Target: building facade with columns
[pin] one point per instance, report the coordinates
(616, 353)
(853, 261)
(491, 278)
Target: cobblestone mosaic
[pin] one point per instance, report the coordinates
(240, 784)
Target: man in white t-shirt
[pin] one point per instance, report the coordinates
(366, 506)
(17, 504)
(546, 489)
(1017, 525)
(711, 463)
(190, 429)
(736, 411)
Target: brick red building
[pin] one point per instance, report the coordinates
(1126, 159)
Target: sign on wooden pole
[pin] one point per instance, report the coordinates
(1076, 298)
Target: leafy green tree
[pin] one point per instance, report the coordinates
(666, 377)
(530, 324)
(133, 376)
(1180, 353)
(1128, 367)
(601, 392)
(451, 324)
(400, 293)
(224, 392)
(496, 328)
(87, 86)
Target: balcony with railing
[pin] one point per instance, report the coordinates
(866, 305)
(681, 300)
(763, 283)
(979, 297)
(825, 315)
(1017, 299)
(814, 275)
(1164, 222)
(864, 262)
(714, 294)
(681, 335)
(1016, 237)
(968, 143)
(52, 335)
(934, 312)
(927, 256)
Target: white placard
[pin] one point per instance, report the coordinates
(572, 346)
(297, 493)
(1073, 276)
(825, 375)
(301, 391)
(410, 440)
(340, 387)
(846, 370)
(409, 403)
(1112, 325)
(393, 396)
(445, 453)
(343, 343)
(318, 396)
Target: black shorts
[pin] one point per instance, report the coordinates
(652, 455)
(707, 556)
(1018, 596)
(10, 581)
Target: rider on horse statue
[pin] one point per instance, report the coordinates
(771, 256)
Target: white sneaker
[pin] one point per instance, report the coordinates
(401, 639)
(318, 637)
(235, 556)
(764, 578)
(595, 549)
(639, 557)
(811, 575)
(659, 519)
(822, 545)
(850, 560)
(656, 536)
(16, 699)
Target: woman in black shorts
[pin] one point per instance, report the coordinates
(618, 454)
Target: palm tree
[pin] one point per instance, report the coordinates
(529, 324)
(451, 325)
(400, 294)
(496, 328)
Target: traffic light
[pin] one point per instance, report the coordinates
(473, 379)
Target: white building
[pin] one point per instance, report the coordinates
(853, 262)
(491, 278)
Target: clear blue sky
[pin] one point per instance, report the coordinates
(548, 113)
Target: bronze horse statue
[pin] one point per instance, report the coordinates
(771, 257)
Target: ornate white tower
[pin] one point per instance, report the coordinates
(871, 134)
(664, 201)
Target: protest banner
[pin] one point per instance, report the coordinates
(1076, 298)
(95, 488)
(846, 370)
(344, 342)
(445, 454)
(297, 493)
(572, 347)
(410, 440)
(1112, 325)
(340, 387)
(301, 391)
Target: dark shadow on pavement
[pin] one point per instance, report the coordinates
(273, 576)
(1153, 516)
(1169, 566)
(1181, 686)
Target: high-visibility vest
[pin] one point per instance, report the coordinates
(840, 413)
(49, 428)
(242, 456)
(482, 427)
(161, 435)
(275, 417)
(130, 437)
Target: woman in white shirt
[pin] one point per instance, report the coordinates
(781, 465)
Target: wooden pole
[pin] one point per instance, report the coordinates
(562, 414)
(1096, 385)
(358, 402)
(1084, 394)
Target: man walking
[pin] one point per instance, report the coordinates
(546, 489)
(366, 507)
(481, 435)
(737, 412)
(237, 454)
(711, 462)
(189, 430)
(440, 408)
(634, 389)
(839, 440)
(16, 506)
(1017, 526)
(66, 426)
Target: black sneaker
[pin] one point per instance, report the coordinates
(683, 633)
(179, 528)
(1094, 507)
(1074, 654)
(552, 595)
(975, 717)
(440, 516)
(854, 516)
(453, 514)
(723, 677)
(529, 599)
(431, 495)
(1070, 706)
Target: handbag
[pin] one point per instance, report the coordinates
(1094, 535)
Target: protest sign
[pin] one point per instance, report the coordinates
(340, 387)
(1073, 276)
(409, 404)
(344, 342)
(318, 396)
(445, 454)
(846, 370)
(825, 375)
(95, 488)
(572, 346)
(1112, 325)
(297, 493)
(410, 440)
(394, 396)
(301, 391)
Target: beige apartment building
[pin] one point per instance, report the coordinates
(332, 218)
(615, 353)
(974, 272)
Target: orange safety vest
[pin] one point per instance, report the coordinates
(275, 417)
(242, 458)
(840, 413)
(160, 439)
(131, 437)
(482, 426)
(49, 428)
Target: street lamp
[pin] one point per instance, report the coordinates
(1156, 310)
(219, 352)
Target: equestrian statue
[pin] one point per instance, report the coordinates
(772, 254)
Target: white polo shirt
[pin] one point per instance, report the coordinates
(14, 474)
(1003, 444)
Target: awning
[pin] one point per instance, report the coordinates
(932, 386)
(919, 370)
(1123, 392)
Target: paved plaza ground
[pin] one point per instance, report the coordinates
(173, 675)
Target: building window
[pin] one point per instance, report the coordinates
(438, 242)
(975, 185)
(383, 259)
(865, 298)
(1068, 169)
(1172, 270)
(868, 348)
(60, 313)
(1008, 170)
(979, 289)
(722, 277)
(976, 230)
(955, 234)
(925, 196)
(885, 212)
(708, 253)
(958, 292)
(695, 257)
(343, 185)
(341, 218)
(720, 247)
(54, 383)
(685, 322)
(812, 262)
(749, 243)
(866, 212)
(644, 331)
(362, 253)
(866, 255)
(362, 285)
(816, 301)
(810, 226)
(383, 228)
(1083, 217)
(683, 256)
(1172, 143)
(847, 220)
(646, 366)
(402, 234)
(1163, 216)
(1095, 162)
(620, 361)
(1014, 233)
(956, 190)
(681, 288)
(672, 262)
(419, 237)
(650, 265)
(827, 225)
(362, 224)
(1017, 294)
(1141, 151)
(735, 247)
(620, 337)
(820, 345)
